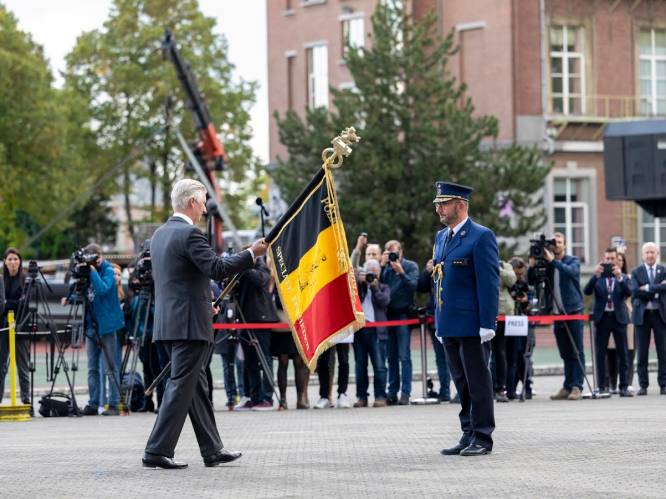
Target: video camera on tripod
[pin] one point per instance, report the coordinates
(79, 268)
(142, 277)
(537, 251)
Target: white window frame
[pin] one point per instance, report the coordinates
(651, 58)
(317, 75)
(655, 226)
(565, 55)
(589, 211)
(346, 23)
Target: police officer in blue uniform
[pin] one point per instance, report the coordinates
(466, 282)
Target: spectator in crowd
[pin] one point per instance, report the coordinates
(284, 348)
(506, 307)
(402, 276)
(102, 326)
(517, 346)
(256, 305)
(325, 370)
(610, 289)
(13, 279)
(372, 251)
(375, 297)
(425, 285)
(648, 286)
(563, 296)
(612, 359)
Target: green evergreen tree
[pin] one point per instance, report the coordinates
(417, 126)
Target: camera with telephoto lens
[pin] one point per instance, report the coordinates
(393, 256)
(538, 247)
(370, 276)
(519, 289)
(33, 269)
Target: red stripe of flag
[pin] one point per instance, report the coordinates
(329, 311)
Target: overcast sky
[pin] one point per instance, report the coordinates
(56, 24)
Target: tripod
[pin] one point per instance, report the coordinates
(135, 342)
(29, 317)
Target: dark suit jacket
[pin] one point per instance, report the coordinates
(621, 291)
(639, 277)
(183, 264)
(470, 290)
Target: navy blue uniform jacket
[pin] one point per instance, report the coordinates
(470, 285)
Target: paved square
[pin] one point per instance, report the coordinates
(591, 448)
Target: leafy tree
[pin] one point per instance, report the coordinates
(135, 99)
(417, 126)
(40, 171)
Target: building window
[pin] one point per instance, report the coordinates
(290, 82)
(653, 229)
(652, 70)
(352, 34)
(571, 200)
(567, 69)
(317, 75)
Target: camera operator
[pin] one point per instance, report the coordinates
(425, 285)
(13, 279)
(563, 296)
(402, 277)
(610, 288)
(516, 346)
(506, 307)
(102, 325)
(375, 297)
(256, 304)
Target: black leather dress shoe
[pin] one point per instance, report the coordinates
(154, 461)
(453, 451)
(625, 393)
(642, 391)
(220, 457)
(474, 450)
(662, 390)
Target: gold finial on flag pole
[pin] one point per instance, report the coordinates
(334, 156)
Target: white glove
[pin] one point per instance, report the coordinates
(486, 334)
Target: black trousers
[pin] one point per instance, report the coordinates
(22, 364)
(468, 362)
(186, 393)
(324, 364)
(499, 355)
(604, 328)
(651, 323)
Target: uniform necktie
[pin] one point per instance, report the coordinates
(651, 275)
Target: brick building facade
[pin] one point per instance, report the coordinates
(554, 72)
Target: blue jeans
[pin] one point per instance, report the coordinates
(229, 362)
(442, 367)
(365, 345)
(95, 359)
(259, 381)
(399, 355)
(573, 373)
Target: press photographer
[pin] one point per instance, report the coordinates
(93, 283)
(519, 348)
(556, 277)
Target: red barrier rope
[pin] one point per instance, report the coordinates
(533, 319)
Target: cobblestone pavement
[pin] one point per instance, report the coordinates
(590, 448)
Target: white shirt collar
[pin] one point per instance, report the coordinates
(184, 217)
(457, 228)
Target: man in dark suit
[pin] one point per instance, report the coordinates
(183, 264)
(648, 289)
(466, 282)
(610, 315)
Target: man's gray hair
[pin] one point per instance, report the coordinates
(372, 265)
(183, 191)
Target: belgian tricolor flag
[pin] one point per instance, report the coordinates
(313, 271)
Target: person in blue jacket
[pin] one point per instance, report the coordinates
(466, 289)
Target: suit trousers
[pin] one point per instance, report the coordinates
(651, 322)
(468, 360)
(604, 328)
(186, 393)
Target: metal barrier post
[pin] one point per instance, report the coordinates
(14, 411)
(424, 364)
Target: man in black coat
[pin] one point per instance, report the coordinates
(610, 315)
(183, 264)
(648, 289)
